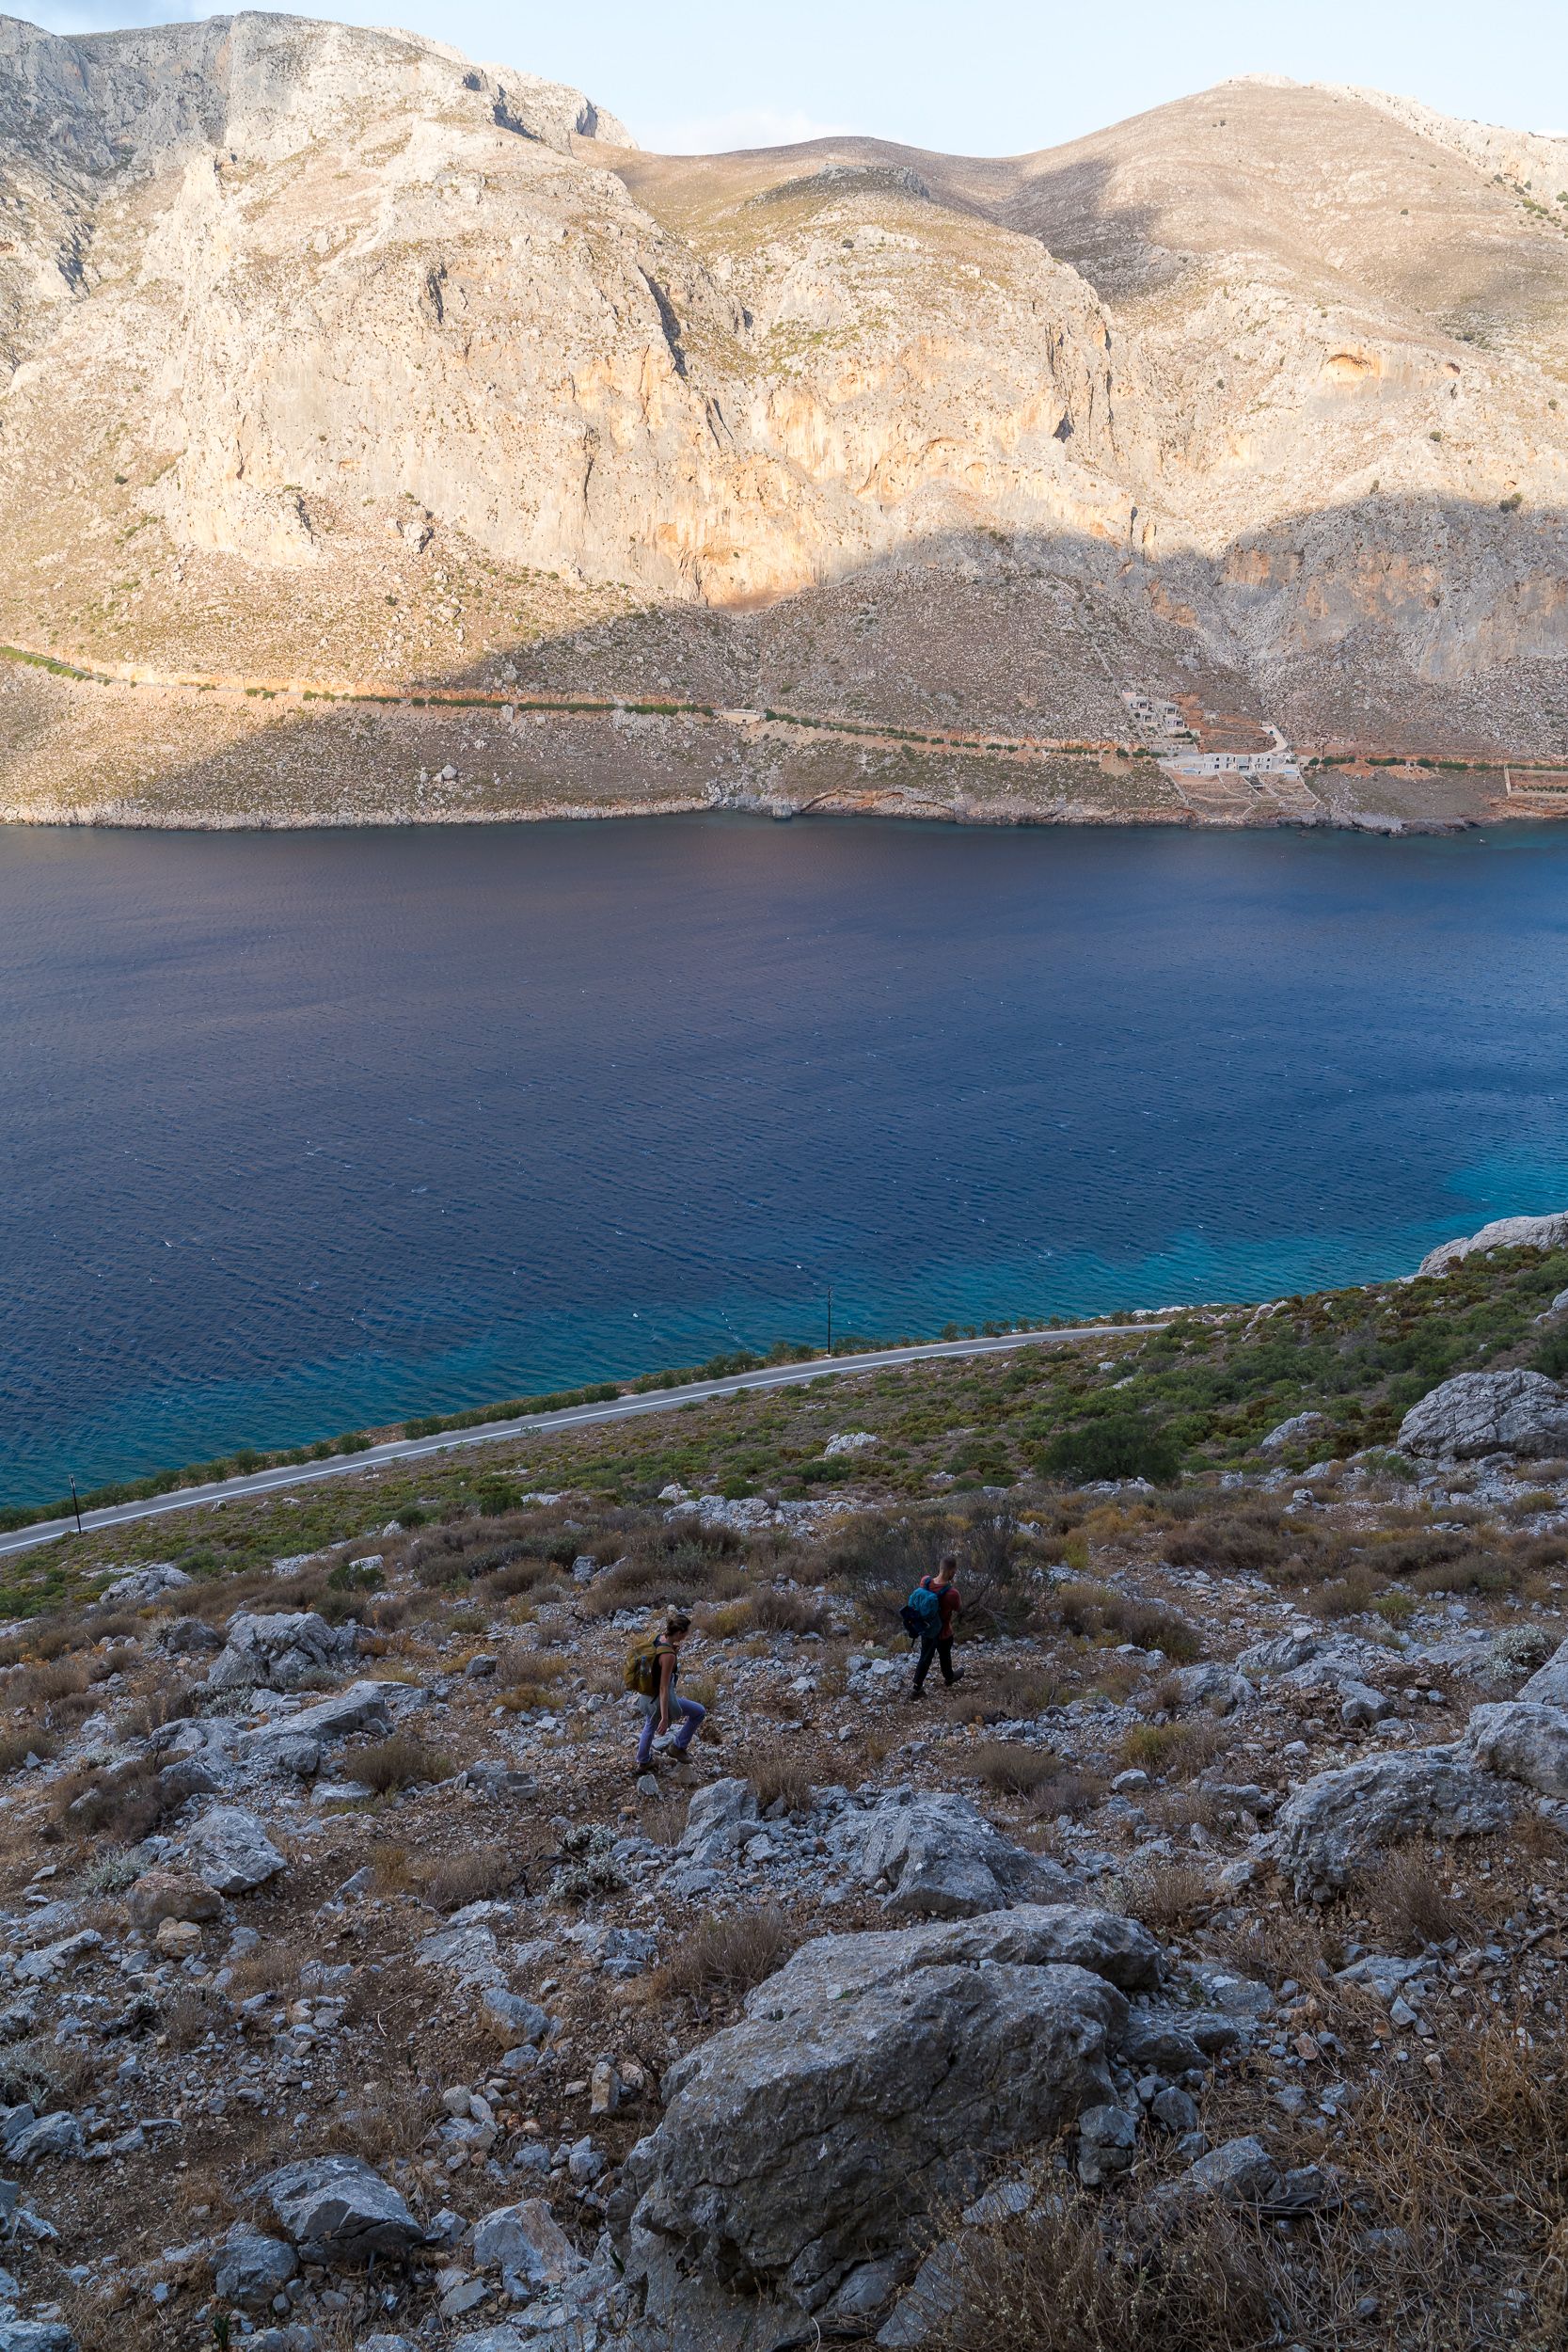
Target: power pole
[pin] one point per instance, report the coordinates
(76, 1506)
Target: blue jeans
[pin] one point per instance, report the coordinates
(685, 1711)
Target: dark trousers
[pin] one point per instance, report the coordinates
(933, 1646)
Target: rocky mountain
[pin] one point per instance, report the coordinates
(334, 362)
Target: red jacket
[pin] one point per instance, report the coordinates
(947, 1602)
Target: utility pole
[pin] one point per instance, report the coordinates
(76, 1506)
(830, 1319)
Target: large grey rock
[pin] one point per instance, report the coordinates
(251, 2268)
(870, 2081)
(941, 1859)
(1282, 1653)
(363, 1706)
(36, 2335)
(229, 1849)
(1524, 1741)
(527, 2244)
(1241, 2171)
(1504, 1233)
(1548, 1685)
(26, 2138)
(1338, 1820)
(1488, 1412)
(1291, 1431)
(140, 1585)
(1209, 1684)
(280, 1651)
(714, 1817)
(336, 2210)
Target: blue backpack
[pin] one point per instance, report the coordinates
(921, 1613)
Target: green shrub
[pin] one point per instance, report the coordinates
(1122, 1445)
(1551, 1357)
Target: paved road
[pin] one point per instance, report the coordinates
(575, 1417)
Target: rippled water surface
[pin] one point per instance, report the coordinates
(300, 1131)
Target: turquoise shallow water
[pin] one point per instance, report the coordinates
(300, 1131)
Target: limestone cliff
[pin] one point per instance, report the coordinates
(326, 356)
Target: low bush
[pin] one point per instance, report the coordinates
(1175, 1750)
(124, 1803)
(484, 1875)
(726, 1956)
(1072, 2275)
(783, 1776)
(1009, 1765)
(1167, 1895)
(16, 1744)
(400, 1762)
(1119, 1445)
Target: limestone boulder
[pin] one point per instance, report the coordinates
(364, 1706)
(939, 1858)
(159, 1895)
(337, 2211)
(141, 1585)
(1488, 1412)
(251, 2268)
(528, 2245)
(229, 1849)
(1548, 1685)
(872, 2079)
(1340, 1820)
(280, 1652)
(714, 1820)
(1293, 1432)
(1524, 1741)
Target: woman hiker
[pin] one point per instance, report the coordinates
(655, 1666)
(937, 1640)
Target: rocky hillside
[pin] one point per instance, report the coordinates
(1188, 1972)
(333, 363)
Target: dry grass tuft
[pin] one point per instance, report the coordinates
(787, 1777)
(1009, 1766)
(726, 1956)
(1165, 1894)
(190, 2017)
(18, 1745)
(400, 1762)
(1405, 1891)
(484, 1875)
(1176, 1750)
(122, 1803)
(1073, 2276)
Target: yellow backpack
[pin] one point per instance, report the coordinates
(643, 1663)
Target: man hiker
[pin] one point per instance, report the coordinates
(929, 1614)
(651, 1672)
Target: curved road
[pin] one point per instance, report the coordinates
(574, 1417)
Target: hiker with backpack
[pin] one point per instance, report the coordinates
(651, 1672)
(928, 1616)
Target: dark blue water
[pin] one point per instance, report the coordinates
(300, 1131)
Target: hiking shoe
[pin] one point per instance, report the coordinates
(955, 1678)
(911, 1696)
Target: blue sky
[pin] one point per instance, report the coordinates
(987, 77)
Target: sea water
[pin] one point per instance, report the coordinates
(303, 1132)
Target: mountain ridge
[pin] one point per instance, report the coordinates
(422, 370)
